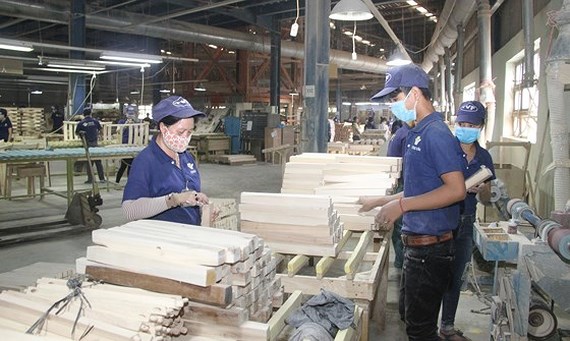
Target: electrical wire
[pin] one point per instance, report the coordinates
(354, 43)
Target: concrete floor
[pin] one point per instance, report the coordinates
(219, 181)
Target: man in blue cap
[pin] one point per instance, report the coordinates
(164, 182)
(433, 188)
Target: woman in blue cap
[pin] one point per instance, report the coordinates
(164, 182)
(470, 120)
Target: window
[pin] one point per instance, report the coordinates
(525, 102)
(469, 92)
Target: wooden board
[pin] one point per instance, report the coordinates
(217, 294)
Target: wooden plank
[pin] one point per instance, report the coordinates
(353, 262)
(216, 294)
(289, 200)
(193, 274)
(249, 330)
(233, 316)
(296, 264)
(277, 321)
(323, 266)
(195, 253)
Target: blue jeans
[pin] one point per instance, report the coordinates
(426, 276)
(397, 243)
(464, 249)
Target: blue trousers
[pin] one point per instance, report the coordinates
(426, 277)
(463, 251)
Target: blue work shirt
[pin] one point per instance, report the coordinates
(481, 158)
(154, 174)
(91, 128)
(397, 144)
(125, 132)
(4, 129)
(431, 151)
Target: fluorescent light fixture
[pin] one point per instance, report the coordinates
(164, 91)
(15, 45)
(428, 14)
(365, 42)
(412, 3)
(358, 38)
(398, 59)
(200, 88)
(421, 10)
(131, 57)
(212, 46)
(434, 19)
(36, 92)
(350, 10)
(348, 33)
(66, 70)
(72, 64)
(346, 103)
(111, 62)
(135, 92)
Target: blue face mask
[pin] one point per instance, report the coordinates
(399, 110)
(467, 135)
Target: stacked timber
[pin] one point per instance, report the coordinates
(307, 224)
(227, 218)
(30, 122)
(229, 277)
(234, 160)
(344, 178)
(340, 175)
(67, 309)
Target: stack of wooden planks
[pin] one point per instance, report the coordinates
(100, 312)
(340, 175)
(306, 223)
(229, 277)
(227, 218)
(234, 160)
(30, 122)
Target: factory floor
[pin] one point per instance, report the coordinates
(52, 256)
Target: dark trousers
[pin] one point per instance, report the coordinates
(463, 251)
(125, 165)
(426, 276)
(100, 171)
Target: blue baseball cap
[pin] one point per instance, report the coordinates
(471, 112)
(405, 76)
(174, 106)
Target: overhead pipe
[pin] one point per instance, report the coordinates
(528, 33)
(486, 85)
(445, 33)
(124, 22)
(557, 75)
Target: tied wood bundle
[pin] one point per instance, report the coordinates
(341, 176)
(89, 311)
(292, 223)
(221, 272)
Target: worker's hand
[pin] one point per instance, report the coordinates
(186, 198)
(476, 189)
(388, 214)
(214, 213)
(369, 203)
(202, 199)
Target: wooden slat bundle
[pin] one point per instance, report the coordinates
(112, 312)
(229, 277)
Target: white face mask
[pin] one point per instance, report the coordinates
(175, 142)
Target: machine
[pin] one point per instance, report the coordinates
(536, 277)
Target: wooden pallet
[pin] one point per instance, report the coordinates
(234, 160)
(359, 272)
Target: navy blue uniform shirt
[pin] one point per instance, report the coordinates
(4, 127)
(154, 174)
(91, 128)
(397, 145)
(431, 151)
(481, 158)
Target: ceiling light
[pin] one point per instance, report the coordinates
(164, 91)
(434, 19)
(428, 14)
(135, 92)
(295, 26)
(348, 33)
(112, 62)
(358, 38)
(350, 10)
(15, 45)
(421, 10)
(332, 25)
(398, 59)
(131, 57)
(212, 46)
(67, 70)
(412, 3)
(200, 87)
(364, 41)
(346, 103)
(72, 64)
(36, 92)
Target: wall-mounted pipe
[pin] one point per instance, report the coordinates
(528, 32)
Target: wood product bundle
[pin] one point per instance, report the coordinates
(234, 160)
(100, 312)
(354, 220)
(340, 175)
(30, 121)
(286, 222)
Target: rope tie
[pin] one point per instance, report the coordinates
(74, 284)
